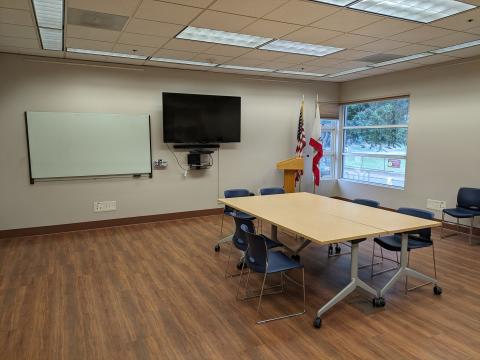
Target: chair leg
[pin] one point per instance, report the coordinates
(240, 282)
(303, 285)
(261, 294)
(373, 257)
(221, 226)
(406, 277)
(434, 263)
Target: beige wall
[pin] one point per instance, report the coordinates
(269, 121)
(444, 132)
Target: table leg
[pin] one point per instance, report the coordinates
(354, 283)
(404, 270)
(274, 234)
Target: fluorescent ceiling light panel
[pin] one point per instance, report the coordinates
(456, 47)
(303, 73)
(49, 13)
(221, 37)
(52, 39)
(402, 59)
(424, 11)
(335, 2)
(351, 71)
(299, 48)
(246, 68)
(184, 62)
(106, 53)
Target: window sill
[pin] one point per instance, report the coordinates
(372, 184)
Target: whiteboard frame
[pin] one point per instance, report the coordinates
(137, 175)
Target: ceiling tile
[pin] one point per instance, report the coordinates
(140, 50)
(271, 29)
(349, 41)
(108, 59)
(382, 45)
(276, 65)
(28, 32)
(15, 4)
(403, 66)
(350, 54)
(459, 21)
(187, 45)
(89, 44)
(148, 27)
(351, 64)
(17, 17)
(312, 35)
(214, 59)
(117, 7)
(166, 12)
(227, 50)
(420, 34)
(245, 62)
(347, 20)
(386, 28)
(247, 7)
(411, 49)
(175, 54)
(435, 59)
(195, 3)
(296, 58)
(84, 32)
(301, 12)
(263, 55)
(475, 30)
(142, 40)
(222, 21)
(36, 52)
(452, 39)
(19, 42)
(303, 67)
(472, 51)
(324, 61)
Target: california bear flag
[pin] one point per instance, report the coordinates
(316, 143)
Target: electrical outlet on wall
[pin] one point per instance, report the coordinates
(436, 204)
(100, 206)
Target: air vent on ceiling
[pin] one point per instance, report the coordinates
(96, 19)
(378, 58)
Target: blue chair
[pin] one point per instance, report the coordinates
(228, 211)
(239, 241)
(417, 239)
(272, 191)
(366, 202)
(259, 259)
(468, 207)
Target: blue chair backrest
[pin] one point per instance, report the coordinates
(239, 237)
(233, 193)
(367, 202)
(424, 234)
(469, 198)
(272, 191)
(257, 253)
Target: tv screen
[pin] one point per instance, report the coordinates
(190, 118)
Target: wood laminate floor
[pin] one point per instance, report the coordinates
(157, 291)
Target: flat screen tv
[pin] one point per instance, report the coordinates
(201, 119)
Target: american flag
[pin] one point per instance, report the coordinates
(301, 141)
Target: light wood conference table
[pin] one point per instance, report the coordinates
(323, 220)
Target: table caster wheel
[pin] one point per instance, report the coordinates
(330, 250)
(296, 257)
(437, 290)
(378, 302)
(317, 323)
(217, 248)
(338, 249)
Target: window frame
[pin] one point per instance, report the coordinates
(342, 153)
(333, 153)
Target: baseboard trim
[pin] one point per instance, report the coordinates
(88, 225)
(462, 229)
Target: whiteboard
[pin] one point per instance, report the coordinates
(64, 145)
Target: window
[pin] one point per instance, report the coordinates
(328, 161)
(375, 142)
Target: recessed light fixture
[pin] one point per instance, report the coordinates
(303, 73)
(300, 48)
(222, 37)
(424, 11)
(402, 59)
(106, 53)
(49, 15)
(184, 62)
(246, 68)
(335, 2)
(456, 47)
(351, 71)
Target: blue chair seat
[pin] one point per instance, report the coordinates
(394, 242)
(277, 262)
(462, 213)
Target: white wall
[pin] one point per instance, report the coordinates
(269, 121)
(443, 137)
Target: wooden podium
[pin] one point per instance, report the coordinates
(290, 168)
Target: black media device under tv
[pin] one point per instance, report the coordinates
(201, 119)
